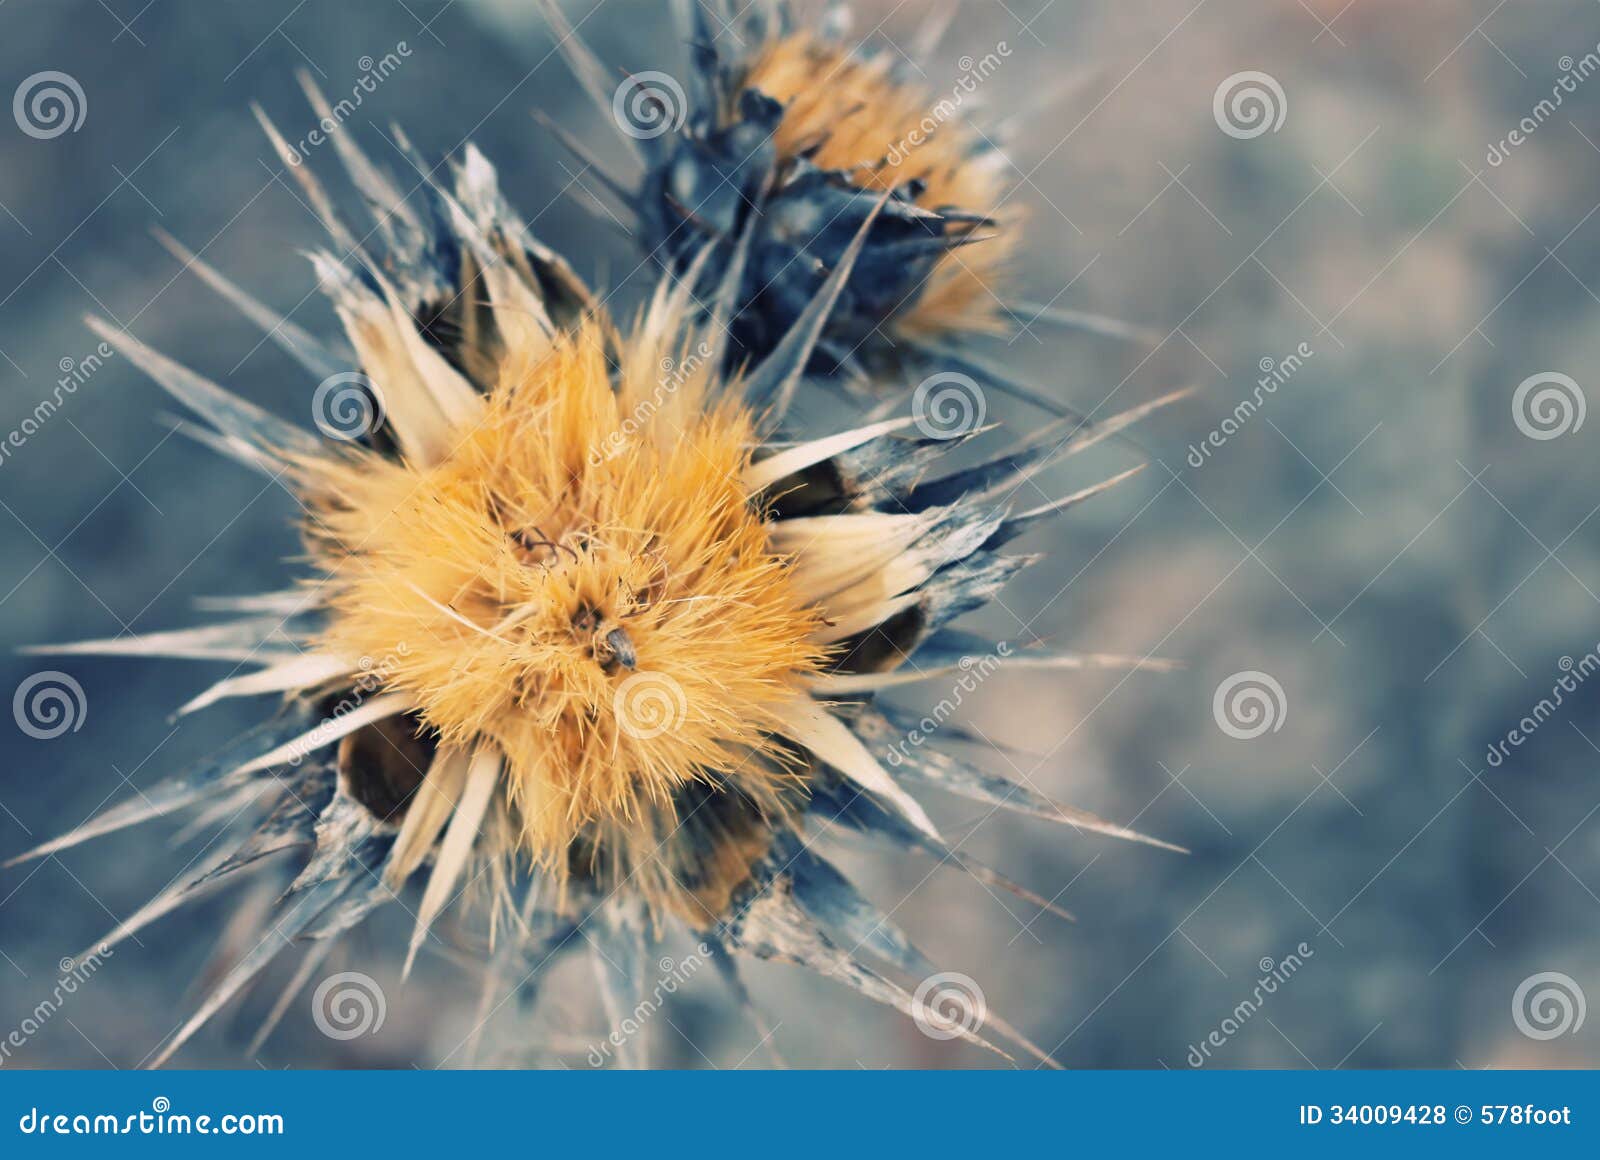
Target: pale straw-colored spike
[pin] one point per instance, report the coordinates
(309, 962)
(626, 198)
(426, 814)
(593, 75)
(483, 771)
(321, 204)
(284, 928)
(764, 473)
(519, 309)
(221, 811)
(1074, 436)
(224, 445)
(296, 342)
(874, 613)
(831, 553)
(286, 602)
(385, 199)
(894, 580)
(331, 730)
(830, 684)
(423, 398)
(992, 877)
(775, 926)
(1115, 424)
(258, 638)
(1103, 324)
(1057, 506)
(813, 726)
(303, 672)
(227, 412)
(185, 888)
(456, 398)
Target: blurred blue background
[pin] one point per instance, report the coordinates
(1380, 537)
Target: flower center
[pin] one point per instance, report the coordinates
(619, 627)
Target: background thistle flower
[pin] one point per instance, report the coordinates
(785, 142)
(615, 690)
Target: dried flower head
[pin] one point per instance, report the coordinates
(785, 143)
(582, 628)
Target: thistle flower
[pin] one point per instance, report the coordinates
(787, 142)
(582, 629)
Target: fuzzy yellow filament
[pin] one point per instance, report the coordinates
(582, 582)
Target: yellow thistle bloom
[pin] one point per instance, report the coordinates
(583, 626)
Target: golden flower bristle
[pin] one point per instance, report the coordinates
(511, 562)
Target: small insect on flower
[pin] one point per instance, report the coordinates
(614, 691)
(779, 151)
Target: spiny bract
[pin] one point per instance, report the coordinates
(584, 629)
